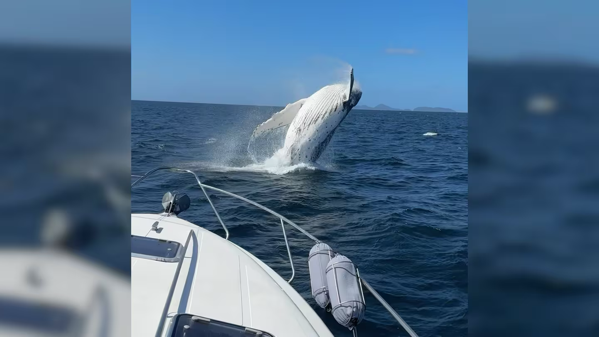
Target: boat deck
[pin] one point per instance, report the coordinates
(51, 292)
(217, 280)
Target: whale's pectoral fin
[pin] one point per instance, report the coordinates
(281, 118)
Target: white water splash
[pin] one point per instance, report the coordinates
(277, 165)
(258, 168)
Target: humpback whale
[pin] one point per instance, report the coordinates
(312, 121)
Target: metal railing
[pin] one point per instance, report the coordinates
(174, 169)
(173, 286)
(283, 221)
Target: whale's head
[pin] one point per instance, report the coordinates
(355, 95)
(355, 92)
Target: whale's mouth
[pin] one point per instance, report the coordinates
(355, 92)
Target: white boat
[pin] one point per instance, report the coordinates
(47, 291)
(188, 281)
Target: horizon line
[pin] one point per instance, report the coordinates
(281, 106)
(146, 100)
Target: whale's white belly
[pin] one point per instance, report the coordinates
(313, 126)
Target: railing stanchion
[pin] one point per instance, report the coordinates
(210, 201)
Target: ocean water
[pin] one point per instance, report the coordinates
(57, 106)
(392, 200)
(533, 196)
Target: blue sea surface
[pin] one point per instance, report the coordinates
(533, 196)
(392, 200)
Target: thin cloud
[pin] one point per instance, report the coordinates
(401, 51)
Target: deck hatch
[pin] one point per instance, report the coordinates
(155, 249)
(194, 326)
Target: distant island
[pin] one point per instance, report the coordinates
(386, 107)
(426, 108)
(378, 107)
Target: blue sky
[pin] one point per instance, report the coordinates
(404, 53)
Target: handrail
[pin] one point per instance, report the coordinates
(389, 308)
(173, 286)
(288, 252)
(265, 209)
(283, 219)
(175, 169)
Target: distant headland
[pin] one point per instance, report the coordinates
(386, 107)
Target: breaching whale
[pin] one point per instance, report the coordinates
(312, 121)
